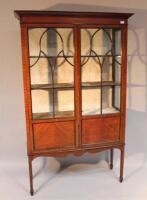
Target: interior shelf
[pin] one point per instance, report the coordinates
(108, 110)
(71, 85)
(51, 86)
(58, 114)
(94, 56)
(99, 84)
(61, 114)
(71, 56)
(65, 56)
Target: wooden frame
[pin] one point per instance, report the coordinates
(76, 131)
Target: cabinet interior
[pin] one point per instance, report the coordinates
(51, 56)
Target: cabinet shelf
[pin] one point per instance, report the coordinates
(66, 86)
(71, 86)
(109, 110)
(46, 115)
(51, 86)
(62, 114)
(99, 84)
(72, 56)
(94, 56)
(51, 56)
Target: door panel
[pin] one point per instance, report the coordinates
(54, 135)
(95, 131)
(100, 70)
(101, 84)
(53, 89)
(51, 54)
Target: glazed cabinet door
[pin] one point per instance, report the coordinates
(101, 61)
(51, 58)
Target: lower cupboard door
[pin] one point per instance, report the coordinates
(100, 130)
(54, 135)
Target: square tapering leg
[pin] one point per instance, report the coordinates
(31, 175)
(111, 158)
(121, 164)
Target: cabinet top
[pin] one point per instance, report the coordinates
(37, 13)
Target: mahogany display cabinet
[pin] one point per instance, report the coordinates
(74, 72)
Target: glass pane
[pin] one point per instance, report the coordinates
(98, 40)
(111, 70)
(117, 97)
(34, 40)
(64, 103)
(91, 100)
(101, 70)
(110, 98)
(41, 104)
(117, 39)
(64, 72)
(40, 73)
(91, 71)
(51, 41)
(107, 70)
(44, 72)
(52, 71)
(118, 70)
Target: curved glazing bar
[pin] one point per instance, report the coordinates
(51, 54)
(101, 70)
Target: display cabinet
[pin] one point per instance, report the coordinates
(74, 69)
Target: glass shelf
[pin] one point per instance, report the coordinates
(51, 86)
(71, 113)
(99, 84)
(58, 114)
(98, 111)
(65, 56)
(94, 56)
(71, 86)
(71, 56)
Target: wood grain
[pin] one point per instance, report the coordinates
(100, 130)
(54, 135)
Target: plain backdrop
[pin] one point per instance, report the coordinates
(12, 118)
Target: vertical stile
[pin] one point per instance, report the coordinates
(77, 78)
(123, 82)
(113, 67)
(26, 84)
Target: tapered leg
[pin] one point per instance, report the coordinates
(121, 165)
(31, 175)
(111, 158)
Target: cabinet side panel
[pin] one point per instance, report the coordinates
(54, 135)
(100, 130)
(124, 83)
(26, 84)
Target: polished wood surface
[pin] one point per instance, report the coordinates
(26, 85)
(21, 13)
(71, 17)
(100, 130)
(77, 134)
(54, 135)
